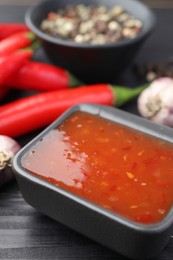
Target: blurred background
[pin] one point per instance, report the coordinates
(151, 3)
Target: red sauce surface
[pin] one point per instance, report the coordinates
(118, 168)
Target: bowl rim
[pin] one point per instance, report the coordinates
(59, 41)
(116, 115)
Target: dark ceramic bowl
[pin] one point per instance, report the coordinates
(129, 238)
(98, 63)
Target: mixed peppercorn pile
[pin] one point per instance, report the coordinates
(90, 24)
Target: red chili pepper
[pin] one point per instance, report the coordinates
(15, 42)
(10, 64)
(42, 77)
(7, 29)
(30, 113)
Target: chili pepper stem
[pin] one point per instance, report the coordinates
(73, 80)
(123, 94)
(31, 36)
(34, 46)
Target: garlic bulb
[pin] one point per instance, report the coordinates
(8, 148)
(156, 101)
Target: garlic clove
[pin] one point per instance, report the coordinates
(8, 148)
(155, 102)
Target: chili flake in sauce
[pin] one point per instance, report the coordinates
(118, 168)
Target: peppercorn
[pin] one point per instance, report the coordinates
(151, 71)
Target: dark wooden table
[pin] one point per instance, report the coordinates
(25, 233)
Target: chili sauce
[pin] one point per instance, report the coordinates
(116, 167)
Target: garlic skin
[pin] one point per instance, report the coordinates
(156, 101)
(8, 148)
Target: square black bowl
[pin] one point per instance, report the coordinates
(129, 238)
